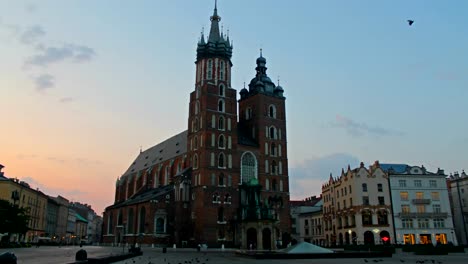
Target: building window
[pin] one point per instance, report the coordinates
(248, 113)
(221, 180)
(221, 142)
(379, 187)
(195, 162)
(439, 223)
(274, 186)
(195, 142)
(366, 217)
(435, 196)
(423, 223)
(160, 226)
(405, 208)
(436, 208)
(419, 195)
(417, 183)
(210, 70)
(274, 170)
(272, 132)
(221, 106)
(267, 184)
(350, 202)
(213, 179)
(197, 107)
(221, 90)
(215, 198)
(365, 200)
(221, 214)
(212, 159)
(381, 200)
(272, 111)
(350, 189)
(273, 149)
(229, 180)
(221, 123)
(420, 208)
(407, 223)
(221, 160)
(433, 183)
(221, 72)
(404, 196)
(382, 217)
(364, 187)
(248, 167)
(402, 183)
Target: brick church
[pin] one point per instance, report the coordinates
(222, 181)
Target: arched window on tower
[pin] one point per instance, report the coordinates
(248, 167)
(195, 142)
(197, 107)
(220, 214)
(274, 169)
(221, 90)
(272, 132)
(221, 180)
(196, 123)
(248, 113)
(274, 186)
(272, 111)
(221, 71)
(195, 161)
(273, 149)
(221, 106)
(221, 142)
(221, 160)
(209, 71)
(221, 123)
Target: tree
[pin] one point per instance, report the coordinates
(13, 219)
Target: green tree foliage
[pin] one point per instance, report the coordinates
(13, 219)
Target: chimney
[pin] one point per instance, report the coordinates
(1, 167)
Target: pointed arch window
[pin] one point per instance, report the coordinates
(197, 107)
(209, 71)
(273, 167)
(221, 106)
(274, 186)
(272, 132)
(221, 160)
(195, 142)
(221, 214)
(273, 149)
(195, 161)
(248, 167)
(221, 142)
(248, 113)
(221, 180)
(221, 90)
(221, 123)
(272, 111)
(221, 71)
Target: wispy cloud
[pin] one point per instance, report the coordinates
(31, 35)
(66, 100)
(67, 52)
(357, 129)
(26, 156)
(55, 159)
(44, 82)
(306, 179)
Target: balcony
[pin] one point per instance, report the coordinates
(423, 215)
(421, 201)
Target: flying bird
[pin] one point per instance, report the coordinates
(410, 22)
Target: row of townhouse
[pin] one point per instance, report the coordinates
(50, 218)
(385, 203)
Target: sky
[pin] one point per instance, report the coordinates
(84, 84)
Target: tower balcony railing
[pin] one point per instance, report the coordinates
(421, 201)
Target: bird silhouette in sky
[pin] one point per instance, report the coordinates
(410, 22)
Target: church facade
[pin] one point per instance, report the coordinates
(222, 181)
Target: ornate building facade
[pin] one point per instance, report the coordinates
(222, 181)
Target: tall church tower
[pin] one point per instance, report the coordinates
(212, 140)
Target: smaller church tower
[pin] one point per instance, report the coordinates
(262, 118)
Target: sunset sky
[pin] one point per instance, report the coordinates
(84, 84)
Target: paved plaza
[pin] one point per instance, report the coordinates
(62, 255)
